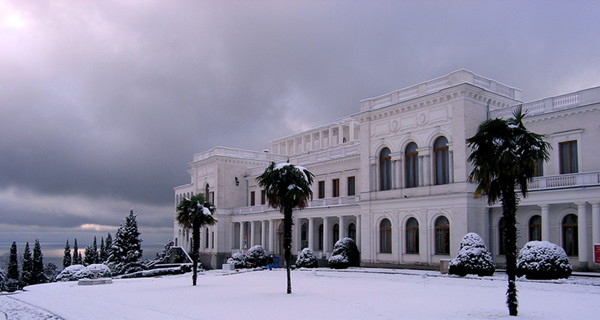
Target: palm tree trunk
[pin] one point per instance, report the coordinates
(195, 250)
(287, 244)
(509, 208)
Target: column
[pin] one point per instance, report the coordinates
(242, 234)
(271, 236)
(252, 234)
(596, 222)
(296, 236)
(545, 222)
(421, 171)
(351, 131)
(325, 234)
(582, 228)
(343, 230)
(311, 233)
(451, 166)
(358, 231)
(263, 234)
(340, 134)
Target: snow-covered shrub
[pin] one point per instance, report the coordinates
(238, 260)
(2, 279)
(157, 272)
(307, 259)
(256, 256)
(345, 254)
(68, 273)
(472, 258)
(543, 260)
(76, 272)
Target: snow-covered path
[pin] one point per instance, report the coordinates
(13, 309)
(321, 294)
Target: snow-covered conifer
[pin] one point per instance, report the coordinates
(126, 252)
(37, 272)
(472, 258)
(67, 259)
(76, 255)
(89, 256)
(108, 247)
(27, 267)
(13, 263)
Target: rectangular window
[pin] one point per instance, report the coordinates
(568, 157)
(321, 189)
(335, 185)
(252, 198)
(351, 186)
(538, 171)
(263, 197)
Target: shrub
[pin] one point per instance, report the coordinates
(472, 258)
(256, 256)
(345, 254)
(238, 260)
(543, 260)
(76, 272)
(307, 259)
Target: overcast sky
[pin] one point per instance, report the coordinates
(104, 103)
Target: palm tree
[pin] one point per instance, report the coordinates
(193, 213)
(287, 187)
(504, 155)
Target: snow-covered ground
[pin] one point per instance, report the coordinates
(320, 294)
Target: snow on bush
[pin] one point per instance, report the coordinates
(157, 272)
(238, 260)
(76, 272)
(256, 257)
(307, 259)
(345, 254)
(472, 258)
(543, 260)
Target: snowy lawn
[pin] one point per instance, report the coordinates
(321, 294)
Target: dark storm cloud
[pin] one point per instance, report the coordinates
(103, 103)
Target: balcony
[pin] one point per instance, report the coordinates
(565, 181)
(315, 203)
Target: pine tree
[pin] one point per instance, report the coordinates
(27, 267)
(38, 275)
(13, 263)
(80, 258)
(126, 248)
(67, 260)
(102, 253)
(95, 249)
(76, 254)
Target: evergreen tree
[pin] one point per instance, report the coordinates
(90, 256)
(38, 275)
(95, 249)
(13, 263)
(80, 258)
(67, 260)
(102, 253)
(108, 247)
(76, 255)
(27, 267)
(126, 248)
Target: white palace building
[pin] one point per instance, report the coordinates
(393, 176)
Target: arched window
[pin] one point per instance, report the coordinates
(501, 236)
(385, 169)
(442, 236)
(206, 190)
(412, 236)
(535, 228)
(569, 228)
(352, 231)
(303, 236)
(440, 150)
(412, 165)
(321, 237)
(336, 233)
(385, 236)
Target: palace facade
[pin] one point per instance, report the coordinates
(393, 176)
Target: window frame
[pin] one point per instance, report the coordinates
(535, 228)
(321, 189)
(385, 236)
(570, 235)
(442, 167)
(385, 169)
(335, 187)
(411, 163)
(412, 236)
(351, 186)
(442, 236)
(568, 158)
